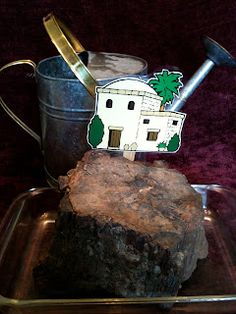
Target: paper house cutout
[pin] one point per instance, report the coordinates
(128, 117)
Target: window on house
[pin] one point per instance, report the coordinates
(146, 121)
(131, 105)
(152, 136)
(109, 103)
(175, 122)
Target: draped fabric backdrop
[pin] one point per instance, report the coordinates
(165, 33)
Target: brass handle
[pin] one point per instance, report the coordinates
(9, 111)
(67, 45)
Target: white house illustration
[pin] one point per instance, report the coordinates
(128, 117)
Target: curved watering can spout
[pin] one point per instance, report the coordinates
(216, 55)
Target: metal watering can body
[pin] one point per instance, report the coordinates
(66, 105)
(65, 86)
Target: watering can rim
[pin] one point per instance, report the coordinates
(75, 79)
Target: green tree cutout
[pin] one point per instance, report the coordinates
(96, 131)
(167, 85)
(173, 143)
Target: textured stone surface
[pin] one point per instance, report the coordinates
(126, 228)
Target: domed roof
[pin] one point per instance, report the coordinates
(131, 84)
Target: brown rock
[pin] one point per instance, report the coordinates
(126, 228)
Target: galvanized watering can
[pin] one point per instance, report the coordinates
(66, 90)
(65, 95)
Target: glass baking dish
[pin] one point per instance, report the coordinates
(27, 230)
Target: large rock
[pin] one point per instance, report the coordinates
(126, 228)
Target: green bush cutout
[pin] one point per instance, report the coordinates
(161, 145)
(173, 143)
(96, 131)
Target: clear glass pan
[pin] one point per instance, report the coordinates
(26, 232)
